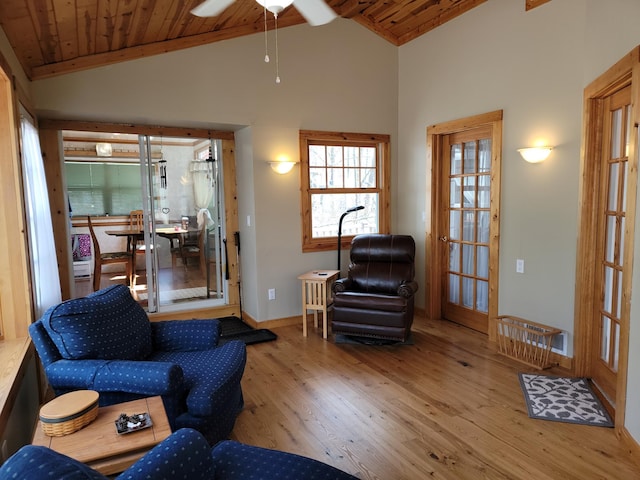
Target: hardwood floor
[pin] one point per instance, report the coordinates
(448, 407)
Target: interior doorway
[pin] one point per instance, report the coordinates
(607, 230)
(463, 245)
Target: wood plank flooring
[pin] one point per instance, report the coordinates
(448, 407)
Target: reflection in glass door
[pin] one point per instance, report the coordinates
(182, 203)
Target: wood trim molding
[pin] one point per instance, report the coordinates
(531, 4)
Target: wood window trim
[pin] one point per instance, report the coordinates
(308, 137)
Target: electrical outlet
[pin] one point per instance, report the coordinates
(519, 265)
(272, 293)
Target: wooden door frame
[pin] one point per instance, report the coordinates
(435, 133)
(623, 73)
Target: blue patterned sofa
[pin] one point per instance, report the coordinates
(105, 342)
(183, 455)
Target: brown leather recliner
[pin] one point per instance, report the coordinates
(376, 299)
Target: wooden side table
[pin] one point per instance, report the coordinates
(316, 296)
(99, 445)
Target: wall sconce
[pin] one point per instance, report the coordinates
(281, 166)
(103, 149)
(535, 154)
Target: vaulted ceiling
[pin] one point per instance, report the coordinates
(52, 37)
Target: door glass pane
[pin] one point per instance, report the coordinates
(605, 335)
(608, 289)
(467, 259)
(469, 191)
(454, 289)
(616, 133)
(484, 155)
(455, 193)
(482, 296)
(619, 295)
(624, 185)
(454, 257)
(470, 157)
(482, 268)
(467, 292)
(468, 226)
(456, 159)
(483, 226)
(621, 254)
(611, 238)
(613, 186)
(454, 224)
(627, 133)
(616, 347)
(484, 191)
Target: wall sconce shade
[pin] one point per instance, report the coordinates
(535, 154)
(103, 149)
(281, 167)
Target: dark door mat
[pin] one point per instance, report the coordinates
(232, 328)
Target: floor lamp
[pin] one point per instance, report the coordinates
(352, 209)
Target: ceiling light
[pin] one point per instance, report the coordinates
(275, 7)
(103, 149)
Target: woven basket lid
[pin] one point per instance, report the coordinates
(68, 406)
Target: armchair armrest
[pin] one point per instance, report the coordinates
(408, 289)
(184, 452)
(185, 335)
(342, 285)
(140, 377)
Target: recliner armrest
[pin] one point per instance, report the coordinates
(408, 289)
(342, 285)
(139, 377)
(185, 335)
(185, 453)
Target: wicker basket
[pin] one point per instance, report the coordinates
(69, 412)
(526, 341)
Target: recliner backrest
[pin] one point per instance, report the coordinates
(381, 263)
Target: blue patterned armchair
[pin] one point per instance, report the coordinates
(105, 342)
(184, 455)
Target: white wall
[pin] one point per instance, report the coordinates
(337, 77)
(534, 66)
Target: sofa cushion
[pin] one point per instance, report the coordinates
(108, 324)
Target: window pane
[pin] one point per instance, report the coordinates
(351, 156)
(469, 191)
(605, 334)
(454, 257)
(483, 227)
(454, 193)
(351, 177)
(317, 178)
(616, 133)
(327, 208)
(611, 238)
(484, 191)
(482, 296)
(468, 227)
(613, 186)
(334, 156)
(367, 157)
(467, 292)
(482, 269)
(368, 178)
(317, 156)
(335, 177)
(608, 289)
(454, 289)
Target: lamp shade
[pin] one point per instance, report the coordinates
(535, 154)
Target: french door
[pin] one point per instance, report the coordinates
(463, 243)
(465, 219)
(610, 265)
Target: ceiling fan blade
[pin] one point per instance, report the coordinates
(211, 8)
(316, 12)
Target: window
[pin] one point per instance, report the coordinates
(340, 171)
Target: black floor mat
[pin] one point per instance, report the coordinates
(232, 328)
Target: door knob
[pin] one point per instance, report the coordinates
(444, 238)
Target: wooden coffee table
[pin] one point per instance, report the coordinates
(99, 446)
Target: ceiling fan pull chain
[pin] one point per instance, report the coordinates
(277, 59)
(266, 49)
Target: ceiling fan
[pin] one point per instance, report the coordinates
(315, 12)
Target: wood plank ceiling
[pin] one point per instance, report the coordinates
(53, 37)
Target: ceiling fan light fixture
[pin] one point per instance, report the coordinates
(275, 6)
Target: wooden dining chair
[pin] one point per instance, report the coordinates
(195, 249)
(106, 258)
(136, 222)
